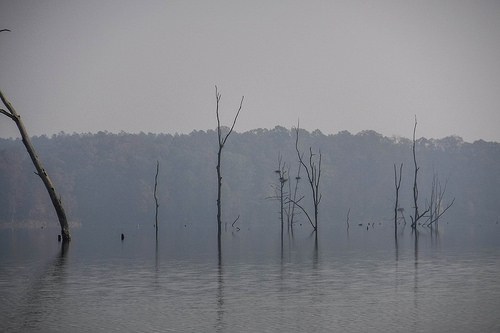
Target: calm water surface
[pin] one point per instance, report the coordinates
(361, 281)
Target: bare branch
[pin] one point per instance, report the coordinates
(296, 203)
(2, 111)
(232, 225)
(234, 121)
(441, 214)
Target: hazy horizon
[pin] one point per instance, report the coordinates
(79, 67)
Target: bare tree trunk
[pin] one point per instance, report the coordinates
(347, 219)
(221, 141)
(417, 216)
(397, 184)
(293, 200)
(157, 205)
(280, 193)
(40, 170)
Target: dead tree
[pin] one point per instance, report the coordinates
(157, 205)
(291, 200)
(397, 184)
(436, 206)
(40, 170)
(222, 141)
(280, 194)
(417, 216)
(313, 172)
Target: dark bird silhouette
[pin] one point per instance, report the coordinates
(5, 30)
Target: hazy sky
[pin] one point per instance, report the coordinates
(84, 66)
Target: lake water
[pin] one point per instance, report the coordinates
(356, 281)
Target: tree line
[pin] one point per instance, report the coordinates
(106, 178)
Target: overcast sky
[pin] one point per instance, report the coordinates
(151, 66)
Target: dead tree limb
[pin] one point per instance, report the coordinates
(221, 142)
(296, 203)
(40, 170)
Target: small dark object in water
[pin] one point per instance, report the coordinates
(123, 236)
(58, 238)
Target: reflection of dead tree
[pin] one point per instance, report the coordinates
(40, 170)
(436, 204)
(401, 212)
(313, 172)
(222, 141)
(397, 184)
(417, 216)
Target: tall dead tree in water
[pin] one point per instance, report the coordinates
(397, 184)
(40, 170)
(313, 172)
(157, 205)
(292, 198)
(417, 216)
(222, 141)
(280, 194)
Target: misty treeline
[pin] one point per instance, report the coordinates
(106, 178)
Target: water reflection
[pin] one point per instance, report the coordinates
(45, 291)
(416, 311)
(254, 283)
(219, 324)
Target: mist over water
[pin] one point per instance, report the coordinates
(356, 280)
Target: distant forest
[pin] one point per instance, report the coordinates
(108, 178)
